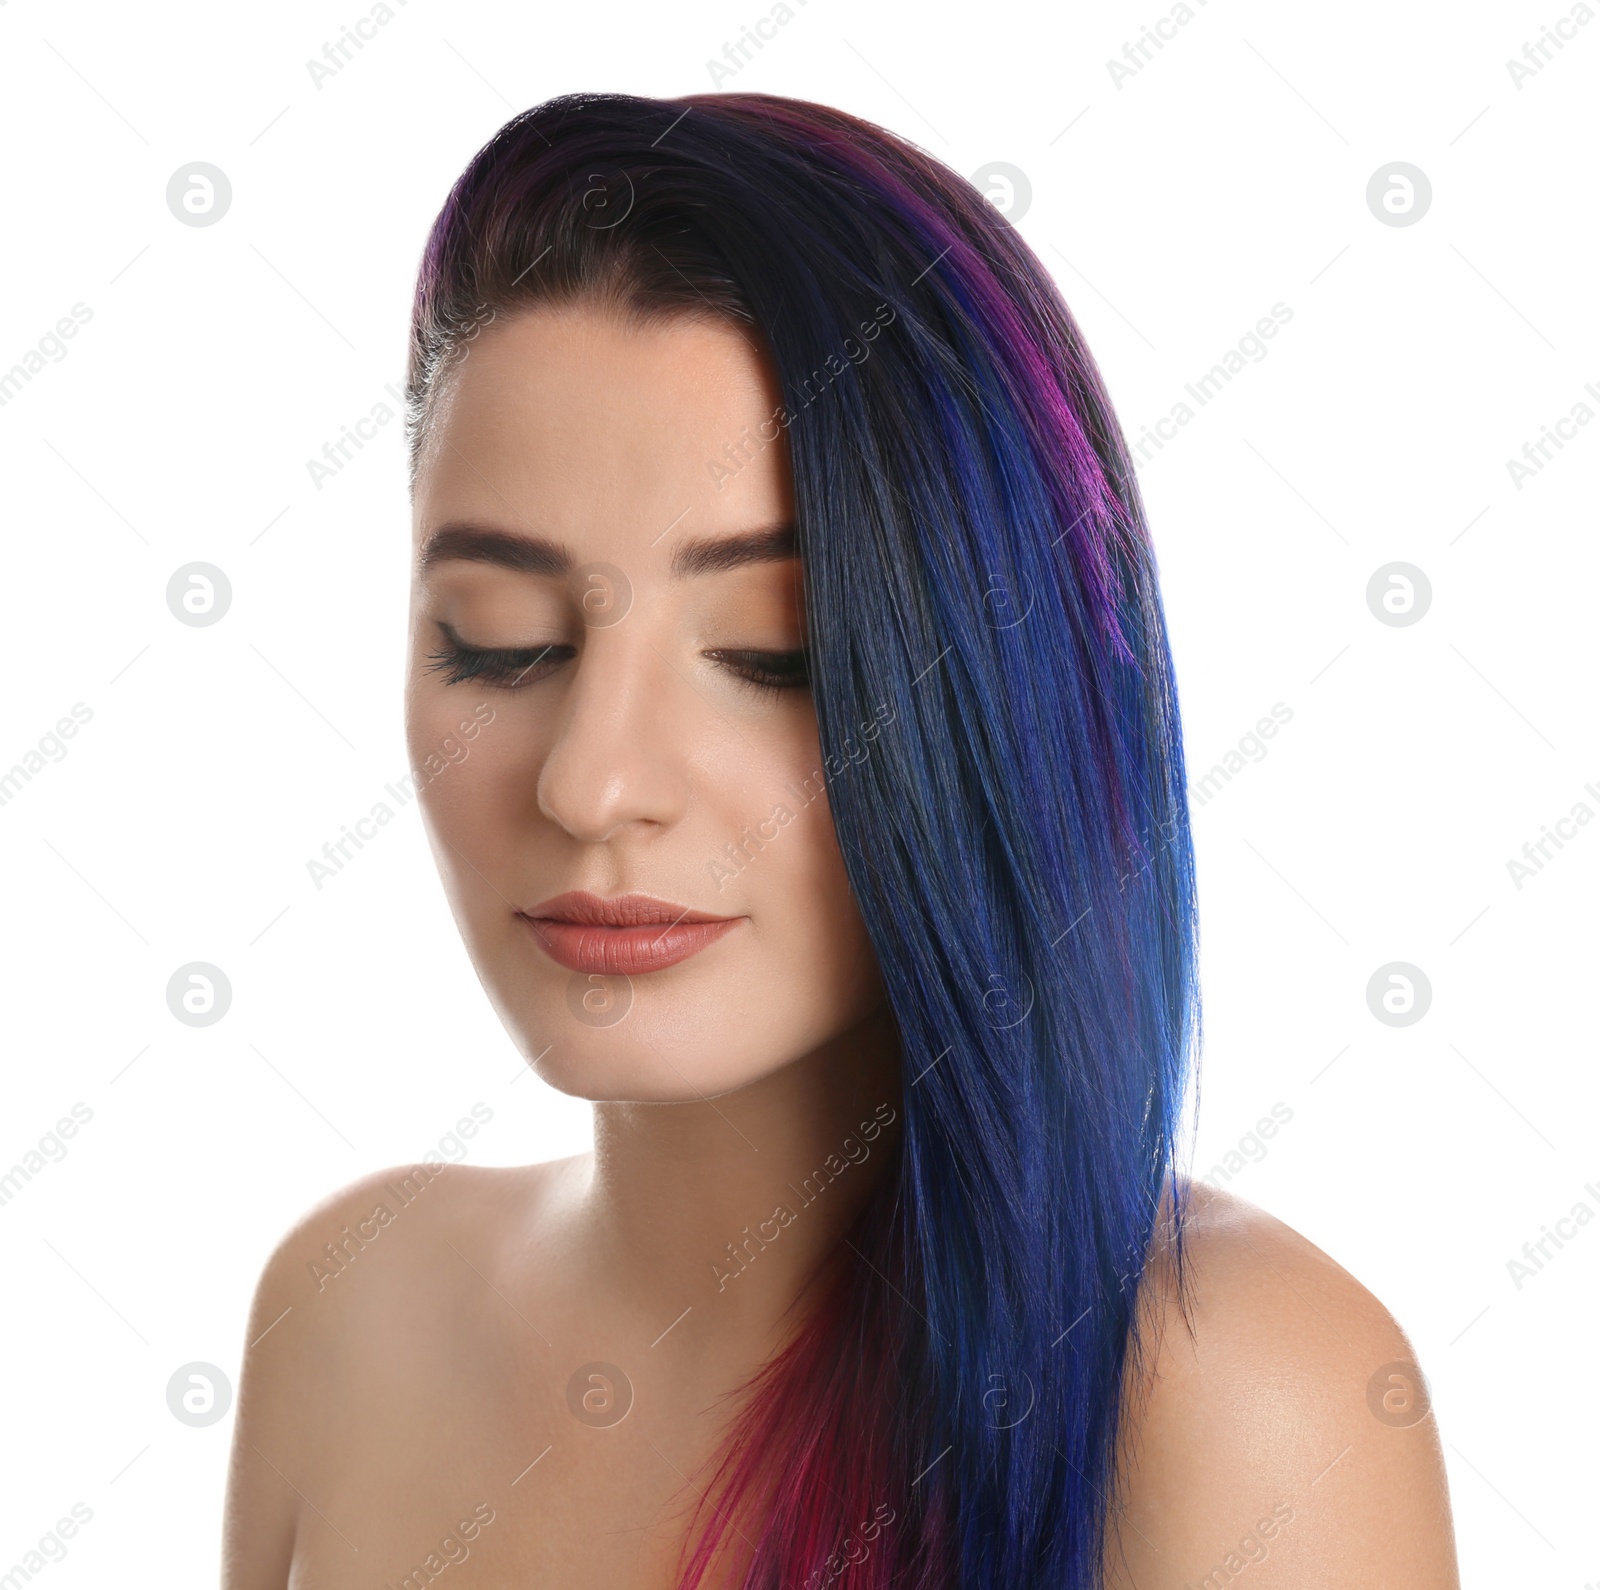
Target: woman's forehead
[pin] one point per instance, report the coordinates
(559, 421)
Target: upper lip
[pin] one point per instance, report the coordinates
(622, 910)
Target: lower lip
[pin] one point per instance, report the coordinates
(624, 951)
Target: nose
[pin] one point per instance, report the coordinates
(618, 765)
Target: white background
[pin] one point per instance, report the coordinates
(1226, 175)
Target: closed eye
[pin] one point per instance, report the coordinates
(512, 667)
(505, 667)
(774, 671)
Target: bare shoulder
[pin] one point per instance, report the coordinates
(1276, 1423)
(347, 1296)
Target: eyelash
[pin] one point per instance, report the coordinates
(771, 672)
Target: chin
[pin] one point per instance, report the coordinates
(708, 1026)
(674, 1047)
(632, 1068)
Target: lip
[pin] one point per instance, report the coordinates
(627, 935)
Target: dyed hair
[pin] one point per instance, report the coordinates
(980, 583)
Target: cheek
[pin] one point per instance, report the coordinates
(797, 890)
(478, 791)
(825, 910)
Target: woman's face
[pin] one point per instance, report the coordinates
(607, 710)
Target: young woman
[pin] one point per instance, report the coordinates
(792, 703)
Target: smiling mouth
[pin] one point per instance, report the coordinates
(625, 936)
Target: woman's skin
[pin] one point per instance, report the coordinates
(432, 1406)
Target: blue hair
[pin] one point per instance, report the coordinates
(995, 702)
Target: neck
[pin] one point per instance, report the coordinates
(729, 1204)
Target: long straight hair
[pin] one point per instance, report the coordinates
(999, 726)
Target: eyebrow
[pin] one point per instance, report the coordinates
(526, 553)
